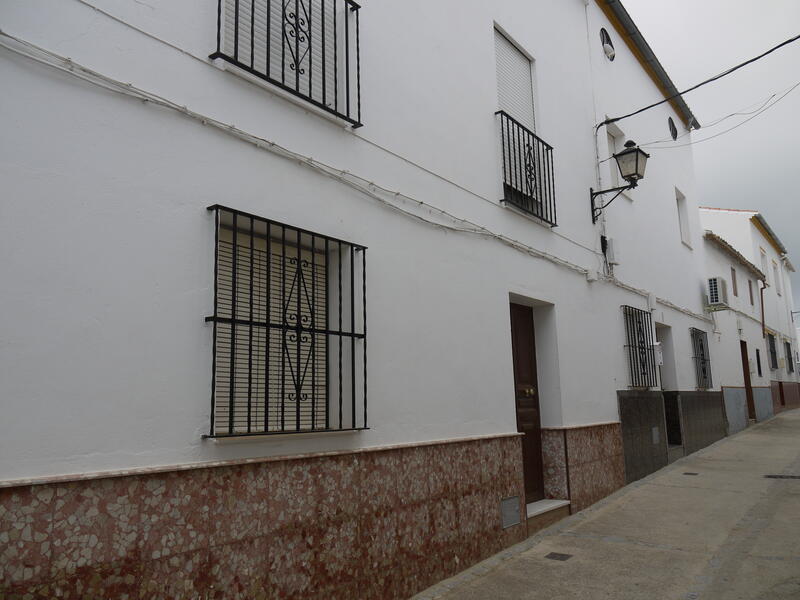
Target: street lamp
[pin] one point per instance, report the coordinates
(631, 163)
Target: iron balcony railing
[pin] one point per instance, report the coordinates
(702, 360)
(528, 176)
(639, 346)
(290, 335)
(309, 48)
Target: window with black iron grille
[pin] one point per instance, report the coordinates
(308, 48)
(290, 348)
(773, 352)
(639, 347)
(701, 357)
(789, 359)
(528, 175)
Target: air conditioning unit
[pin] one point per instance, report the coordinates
(717, 291)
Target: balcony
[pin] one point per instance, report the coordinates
(307, 48)
(528, 180)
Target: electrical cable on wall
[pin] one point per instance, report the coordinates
(361, 137)
(361, 184)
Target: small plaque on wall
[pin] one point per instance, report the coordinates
(509, 511)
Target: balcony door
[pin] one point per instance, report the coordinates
(526, 388)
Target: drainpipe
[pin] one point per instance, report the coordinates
(763, 325)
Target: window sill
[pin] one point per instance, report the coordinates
(523, 213)
(299, 101)
(247, 437)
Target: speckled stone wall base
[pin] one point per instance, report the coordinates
(791, 396)
(583, 464)
(791, 391)
(378, 524)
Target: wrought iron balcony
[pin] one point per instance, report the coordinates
(308, 48)
(528, 179)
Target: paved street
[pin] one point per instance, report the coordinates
(709, 526)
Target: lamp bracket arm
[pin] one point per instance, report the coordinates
(619, 190)
(596, 210)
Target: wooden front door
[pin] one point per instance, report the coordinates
(527, 400)
(748, 386)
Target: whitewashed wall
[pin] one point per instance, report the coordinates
(732, 326)
(105, 361)
(737, 228)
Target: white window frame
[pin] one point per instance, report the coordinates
(683, 218)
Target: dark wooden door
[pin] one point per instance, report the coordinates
(748, 386)
(527, 399)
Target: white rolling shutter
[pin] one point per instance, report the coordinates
(320, 52)
(514, 81)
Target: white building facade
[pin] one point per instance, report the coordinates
(754, 315)
(309, 286)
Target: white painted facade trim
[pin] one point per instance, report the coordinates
(105, 361)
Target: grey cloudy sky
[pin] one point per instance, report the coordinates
(757, 165)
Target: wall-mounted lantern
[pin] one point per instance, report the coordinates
(631, 163)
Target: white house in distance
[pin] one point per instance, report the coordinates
(309, 299)
(748, 267)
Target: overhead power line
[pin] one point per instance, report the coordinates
(711, 137)
(702, 83)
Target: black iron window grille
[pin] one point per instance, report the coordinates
(758, 362)
(309, 48)
(528, 176)
(773, 352)
(639, 347)
(290, 345)
(789, 359)
(702, 360)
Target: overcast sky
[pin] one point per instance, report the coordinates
(756, 166)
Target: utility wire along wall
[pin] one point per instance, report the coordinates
(394, 200)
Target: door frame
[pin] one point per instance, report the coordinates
(533, 465)
(748, 384)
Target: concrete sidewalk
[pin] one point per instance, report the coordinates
(709, 526)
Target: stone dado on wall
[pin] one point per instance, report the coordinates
(377, 524)
(785, 395)
(583, 464)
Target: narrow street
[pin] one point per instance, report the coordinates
(709, 526)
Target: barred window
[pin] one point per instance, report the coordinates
(701, 357)
(773, 352)
(289, 352)
(308, 48)
(758, 362)
(789, 359)
(639, 347)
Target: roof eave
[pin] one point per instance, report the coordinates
(729, 249)
(773, 237)
(623, 23)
